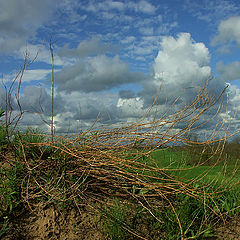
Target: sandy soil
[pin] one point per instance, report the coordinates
(50, 222)
(230, 231)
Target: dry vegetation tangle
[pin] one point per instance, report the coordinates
(105, 184)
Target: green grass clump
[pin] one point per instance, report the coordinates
(198, 218)
(10, 193)
(114, 218)
(27, 141)
(10, 189)
(3, 135)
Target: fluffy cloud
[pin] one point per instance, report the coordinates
(2, 98)
(115, 5)
(96, 74)
(29, 76)
(33, 120)
(19, 19)
(83, 109)
(87, 48)
(36, 75)
(36, 104)
(128, 40)
(106, 5)
(234, 96)
(182, 60)
(87, 106)
(180, 69)
(8, 44)
(77, 110)
(181, 64)
(228, 30)
(130, 108)
(230, 71)
(38, 100)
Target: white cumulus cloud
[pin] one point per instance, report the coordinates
(182, 60)
(130, 108)
(181, 63)
(228, 30)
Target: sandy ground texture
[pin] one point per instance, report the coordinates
(49, 222)
(230, 231)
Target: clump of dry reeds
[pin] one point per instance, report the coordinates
(90, 166)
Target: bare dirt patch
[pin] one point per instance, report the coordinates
(230, 231)
(49, 222)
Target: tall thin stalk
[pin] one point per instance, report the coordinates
(52, 103)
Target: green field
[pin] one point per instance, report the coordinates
(226, 169)
(187, 165)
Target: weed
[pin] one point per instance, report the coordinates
(26, 140)
(10, 188)
(191, 213)
(113, 220)
(3, 135)
(229, 202)
(10, 194)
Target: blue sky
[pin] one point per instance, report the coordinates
(111, 56)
